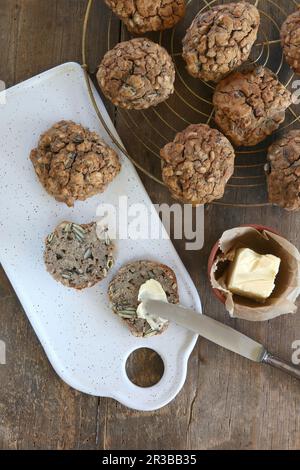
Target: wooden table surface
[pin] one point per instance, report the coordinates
(227, 402)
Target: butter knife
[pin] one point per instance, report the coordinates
(219, 334)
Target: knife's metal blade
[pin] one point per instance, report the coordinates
(208, 328)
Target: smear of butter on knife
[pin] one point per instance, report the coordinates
(151, 290)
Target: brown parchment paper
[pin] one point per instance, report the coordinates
(283, 298)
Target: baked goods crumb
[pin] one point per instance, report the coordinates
(137, 74)
(250, 105)
(283, 171)
(76, 256)
(197, 165)
(124, 291)
(73, 163)
(220, 39)
(141, 16)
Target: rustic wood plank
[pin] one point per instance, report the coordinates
(37, 410)
(6, 289)
(227, 402)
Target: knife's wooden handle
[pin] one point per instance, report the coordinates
(279, 364)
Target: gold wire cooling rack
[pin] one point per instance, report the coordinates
(145, 132)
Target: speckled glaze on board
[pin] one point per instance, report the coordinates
(85, 342)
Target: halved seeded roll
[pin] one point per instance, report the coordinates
(124, 289)
(76, 256)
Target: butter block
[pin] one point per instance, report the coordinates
(253, 275)
(151, 290)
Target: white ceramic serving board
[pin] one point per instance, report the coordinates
(85, 342)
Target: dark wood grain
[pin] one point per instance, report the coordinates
(227, 402)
